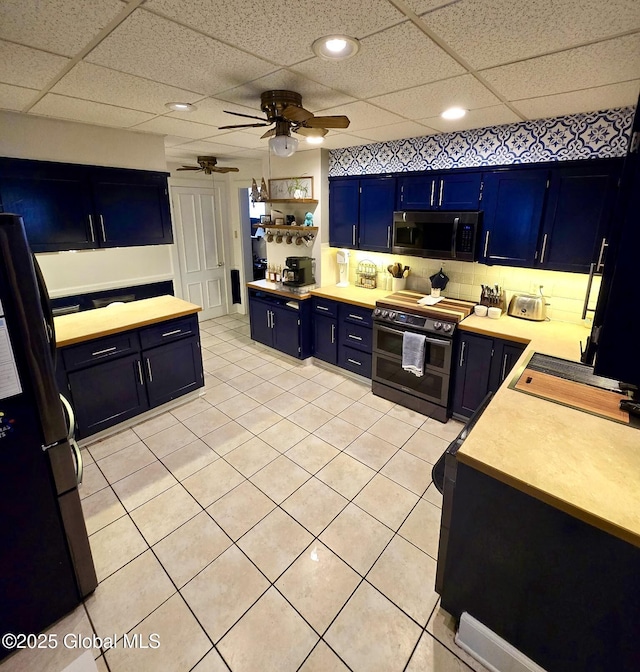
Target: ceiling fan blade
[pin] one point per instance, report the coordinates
(295, 113)
(248, 116)
(267, 123)
(336, 121)
(310, 132)
(271, 132)
(225, 170)
(188, 168)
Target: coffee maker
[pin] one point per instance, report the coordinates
(298, 272)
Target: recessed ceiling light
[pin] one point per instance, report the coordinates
(315, 139)
(453, 113)
(336, 47)
(181, 107)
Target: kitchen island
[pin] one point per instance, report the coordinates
(540, 539)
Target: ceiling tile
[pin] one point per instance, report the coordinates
(595, 65)
(394, 59)
(173, 140)
(363, 115)
(28, 67)
(205, 147)
(421, 6)
(60, 26)
(488, 116)
(152, 47)
(62, 107)
(168, 125)
(586, 100)
(211, 111)
(239, 139)
(103, 85)
(431, 100)
(491, 32)
(251, 154)
(15, 97)
(280, 32)
(405, 129)
(314, 96)
(338, 141)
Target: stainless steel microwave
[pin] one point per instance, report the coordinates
(436, 235)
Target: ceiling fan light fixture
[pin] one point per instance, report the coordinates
(336, 47)
(181, 107)
(283, 145)
(315, 139)
(453, 113)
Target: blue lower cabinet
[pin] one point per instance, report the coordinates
(355, 360)
(325, 338)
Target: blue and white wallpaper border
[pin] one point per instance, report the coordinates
(577, 136)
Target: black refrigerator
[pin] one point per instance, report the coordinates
(46, 566)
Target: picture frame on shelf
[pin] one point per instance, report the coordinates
(291, 188)
(265, 219)
(279, 221)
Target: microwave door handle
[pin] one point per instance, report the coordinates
(454, 236)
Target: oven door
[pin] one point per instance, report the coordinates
(388, 341)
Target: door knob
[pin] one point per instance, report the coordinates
(220, 263)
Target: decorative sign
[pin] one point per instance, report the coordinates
(291, 188)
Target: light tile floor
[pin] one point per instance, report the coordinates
(283, 521)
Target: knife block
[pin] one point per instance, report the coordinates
(499, 302)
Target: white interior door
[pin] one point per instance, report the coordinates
(200, 248)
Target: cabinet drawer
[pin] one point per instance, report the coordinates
(356, 314)
(355, 360)
(355, 336)
(110, 347)
(165, 332)
(325, 307)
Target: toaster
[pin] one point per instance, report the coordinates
(528, 307)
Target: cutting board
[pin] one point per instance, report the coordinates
(454, 310)
(577, 395)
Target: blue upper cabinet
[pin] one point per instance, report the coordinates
(444, 191)
(75, 207)
(513, 203)
(377, 198)
(577, 214)
(344, 200)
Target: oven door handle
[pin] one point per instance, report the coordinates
(438, 341)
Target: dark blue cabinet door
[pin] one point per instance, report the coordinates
(505, 356)
(472, 373)
(325, 338)
(260, 321)
(417, 193)
(377, 198)
(513, 202)
(54, 201)
(286, 330)
(344, 198)
(576, 217)
(459, 192)
(132, 208)
(172, 370)
(107, 394)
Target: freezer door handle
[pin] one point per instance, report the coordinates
(70, 417)
(78, 460)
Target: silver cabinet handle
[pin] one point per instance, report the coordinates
(322, 308)
(486, 244)
(93, 233)
(544, 247)
(356, 317)
(462, 349)
(273, 320)
(433, 191)
(388, 236)
(103, 352)
(441, 192)
(333, 333)
(140, 372)
(355, 338)
(354, 361)
(353, 234)
(268, 319)
(149, 370)
(585, 307)
(172, 333)
(600, 263)
(104, 235)
(504, 367)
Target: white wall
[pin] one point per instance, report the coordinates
(41, 138)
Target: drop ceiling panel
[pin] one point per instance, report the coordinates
(397, 58)
(405, 129)
(167, 125)
(15, 97)
(595, 65)
(280, 32)
(587, 100)
(250, 154)
(60, 26)
(173, 140)
(104, 85)
(340, 140)
(314, 96)
(431, 100)
(363, 115)
(211, 111)
(239, 139)
(205, 147)
(488, 116)
(492, 32)
(30, 68)
(62, 107)
(152, 47)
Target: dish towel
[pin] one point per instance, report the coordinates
(413, 348)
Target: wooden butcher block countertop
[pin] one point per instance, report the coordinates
(90, 324)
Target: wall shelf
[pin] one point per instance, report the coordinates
(286, 227)
(307, 201)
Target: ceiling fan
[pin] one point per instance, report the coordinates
(208, 165)
(284, 109)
